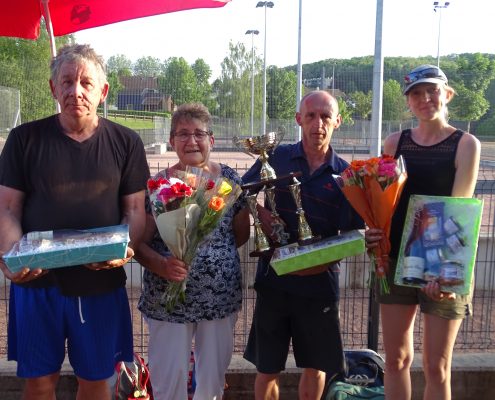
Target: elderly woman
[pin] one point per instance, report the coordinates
(213, 293)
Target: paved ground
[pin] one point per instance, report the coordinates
(237, 160)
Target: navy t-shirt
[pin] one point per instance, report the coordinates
(326, 210)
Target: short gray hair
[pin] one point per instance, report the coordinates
(188, 112)
(78, 53)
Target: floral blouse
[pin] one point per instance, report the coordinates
(213, 288)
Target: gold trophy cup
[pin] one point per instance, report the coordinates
(260, 145)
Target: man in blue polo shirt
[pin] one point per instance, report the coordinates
(302, 307)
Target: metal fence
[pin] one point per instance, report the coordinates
(359, 317)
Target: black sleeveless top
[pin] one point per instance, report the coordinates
(430, 171)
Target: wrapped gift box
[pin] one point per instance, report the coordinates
(445, 233)
(295, 257)
(63, 248)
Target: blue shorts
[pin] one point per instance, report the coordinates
(97, 330)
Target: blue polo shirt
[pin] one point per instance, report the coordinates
(326, 210)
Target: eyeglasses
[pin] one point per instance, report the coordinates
(198, 134)
(423, 74)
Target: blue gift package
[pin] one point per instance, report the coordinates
(67, 247)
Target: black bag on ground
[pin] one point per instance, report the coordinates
(362, 377)
(363, 368)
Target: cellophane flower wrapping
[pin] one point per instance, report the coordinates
(373, 188)
(187, 207)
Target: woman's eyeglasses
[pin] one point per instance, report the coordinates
(425, 73)
(199, 135)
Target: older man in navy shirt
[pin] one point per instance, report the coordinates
(302, 307)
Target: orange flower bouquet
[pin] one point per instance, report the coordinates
(373, 188)
(187, 208)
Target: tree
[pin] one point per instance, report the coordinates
(394, 106)
(25, 65)
(345, 111)
(115, 87)
(179, 81)
(148, 66)
(281, 93)
(202, 71)
(362, 104)
(468, 105)
(119, 64)
(233, 88)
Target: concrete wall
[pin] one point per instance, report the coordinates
(472, 379)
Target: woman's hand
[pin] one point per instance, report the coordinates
(432, 290)
(172, 269)
(372, 237)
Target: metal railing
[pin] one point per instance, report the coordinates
(358, 318)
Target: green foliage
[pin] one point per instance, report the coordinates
(233, 88)
(345, 111)
(394, 106)
(202, 72)
(469, 105)
(115, 87)
(120, 65)
(281, 93)
(180, 81)
(362, 104)
(148, 66)
(25, 65)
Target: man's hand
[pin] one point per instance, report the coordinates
(110, 264)
(24, 275)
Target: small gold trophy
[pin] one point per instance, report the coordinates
(279, 235)
(305, 235)
(261, 243)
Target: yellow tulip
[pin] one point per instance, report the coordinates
(224, 189)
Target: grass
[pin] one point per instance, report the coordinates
(133, 123)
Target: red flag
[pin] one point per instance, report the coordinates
(21, 18)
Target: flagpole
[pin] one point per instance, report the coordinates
(51, 37)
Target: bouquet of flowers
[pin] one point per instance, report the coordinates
(373, 188)
(187, 207)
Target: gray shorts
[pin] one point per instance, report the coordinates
(458, 308)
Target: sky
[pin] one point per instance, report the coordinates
(329, 29)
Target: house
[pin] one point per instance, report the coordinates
(141, 93)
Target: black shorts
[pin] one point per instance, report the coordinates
(313, 325)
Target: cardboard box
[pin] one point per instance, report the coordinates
(63, 248)
(294, 257)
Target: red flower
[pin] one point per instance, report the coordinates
(154, 184)
(210, 184)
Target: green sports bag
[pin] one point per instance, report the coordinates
(347, 391)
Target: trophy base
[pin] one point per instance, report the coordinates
(264, 253)
(310, 240)
(256, 186)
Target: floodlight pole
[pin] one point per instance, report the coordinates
(439, 7)
(265, 4)
(252, 32)
(299, 68)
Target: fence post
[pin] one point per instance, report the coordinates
(373, 322)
